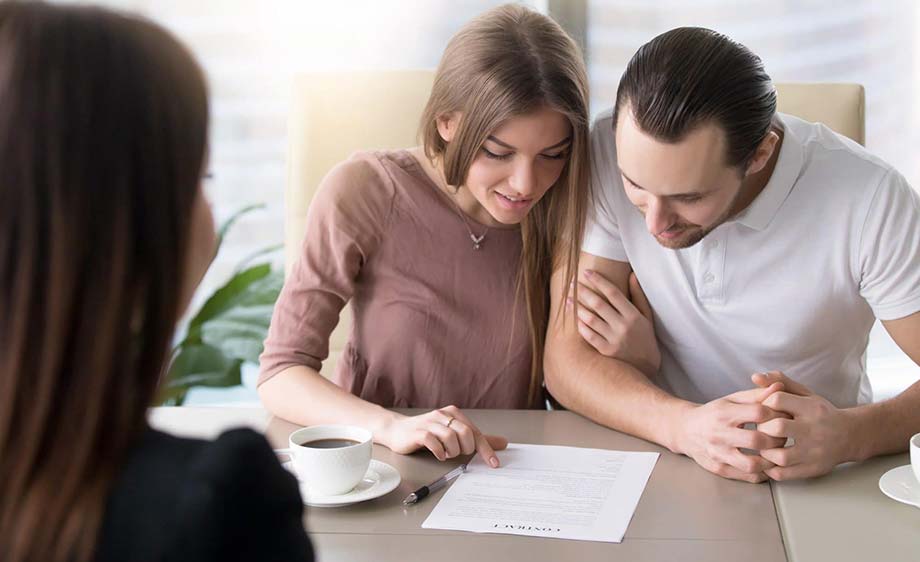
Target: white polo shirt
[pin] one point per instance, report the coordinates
(793, 283)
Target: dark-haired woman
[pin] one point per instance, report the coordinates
(104, 233)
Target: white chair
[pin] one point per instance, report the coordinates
(335, 114)
(842, 107)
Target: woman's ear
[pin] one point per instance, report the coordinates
(447, 125)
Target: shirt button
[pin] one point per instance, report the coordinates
(709, 278)
(715, 244)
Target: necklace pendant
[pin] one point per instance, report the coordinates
(477, 240)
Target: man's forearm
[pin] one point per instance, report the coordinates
(611, 392)
(885, 427)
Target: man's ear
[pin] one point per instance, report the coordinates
(763, 153)
(447, 125)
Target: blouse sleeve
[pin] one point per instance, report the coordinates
(346, 220)
(238, 503)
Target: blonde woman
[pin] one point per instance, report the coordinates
(445, 251)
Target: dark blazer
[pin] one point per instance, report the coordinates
(188, 499)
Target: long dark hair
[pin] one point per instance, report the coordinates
(103, 126)
(691, 76)
(504, 63)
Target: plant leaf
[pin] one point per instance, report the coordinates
(227, 224)
(225, 298)
(199, 365)
(239, 332)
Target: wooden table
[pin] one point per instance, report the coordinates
(685, 512)
(844, 516)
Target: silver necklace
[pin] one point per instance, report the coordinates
(477, 240)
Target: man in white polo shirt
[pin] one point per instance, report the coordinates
(766, 246)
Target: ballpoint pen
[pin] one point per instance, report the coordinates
(422, 492)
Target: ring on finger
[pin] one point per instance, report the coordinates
(450, 421)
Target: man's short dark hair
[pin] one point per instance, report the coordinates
(690, 76)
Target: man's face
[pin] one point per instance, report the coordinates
(683, 189)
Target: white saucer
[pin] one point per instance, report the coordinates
(900, 484)
(380, 479)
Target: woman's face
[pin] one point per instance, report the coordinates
(516, 165)
(201, 247)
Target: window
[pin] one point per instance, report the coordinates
(251, 50)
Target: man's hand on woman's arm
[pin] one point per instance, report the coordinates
(613, 324)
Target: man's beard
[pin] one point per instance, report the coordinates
(694, 232)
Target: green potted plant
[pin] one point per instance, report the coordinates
(227, 330)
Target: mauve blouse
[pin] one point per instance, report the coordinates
(436, 322)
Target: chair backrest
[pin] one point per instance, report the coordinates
(333, 115)
(337, 113)
(842, 107)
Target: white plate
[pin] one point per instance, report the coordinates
(900, 484)
(380, 479)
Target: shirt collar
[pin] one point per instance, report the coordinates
(788, 168)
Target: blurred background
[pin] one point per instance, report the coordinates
(251, 49)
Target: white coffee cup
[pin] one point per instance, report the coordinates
(915, 455)
(328, 469)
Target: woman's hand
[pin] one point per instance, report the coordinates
(446, 432)
(613, 325)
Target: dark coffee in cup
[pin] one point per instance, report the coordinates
(332, 458)
(329, 443)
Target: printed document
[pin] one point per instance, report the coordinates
(547, 491)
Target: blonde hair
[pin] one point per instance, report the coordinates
(508, 62)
